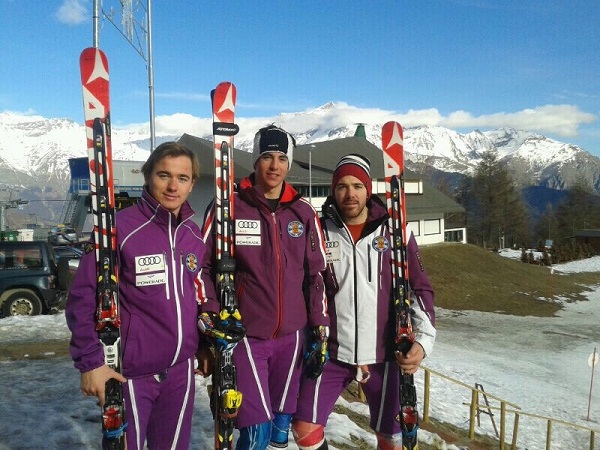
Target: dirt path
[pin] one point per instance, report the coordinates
(32, 350)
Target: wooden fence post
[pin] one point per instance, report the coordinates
(426, 396)
(502, 424)
(473, 411)
(515, 432)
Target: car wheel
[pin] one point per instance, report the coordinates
(22, 302)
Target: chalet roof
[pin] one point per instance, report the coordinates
(588, 233)
(242, 161)
(325, 155)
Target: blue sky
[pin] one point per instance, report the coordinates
(463, 64)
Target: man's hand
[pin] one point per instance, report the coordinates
(224, 330)
(410, 362)
(93, 383)
(318, 352)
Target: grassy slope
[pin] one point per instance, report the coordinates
(466, 277)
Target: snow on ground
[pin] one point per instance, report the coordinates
(540, 364)
(582, 265)
(42, 406)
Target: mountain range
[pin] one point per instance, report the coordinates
(34, 151)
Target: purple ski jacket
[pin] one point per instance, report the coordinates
(358, 283)
(279, 258)
(158, 261)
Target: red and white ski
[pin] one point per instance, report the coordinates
(393, 158)
(225, 398)
(96, 105)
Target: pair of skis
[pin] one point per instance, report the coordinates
(225, 398)
(96, 105)
(393, 158)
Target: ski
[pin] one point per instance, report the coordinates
(95, 85)
(393, 158)
(225, 398)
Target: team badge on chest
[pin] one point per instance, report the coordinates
(191, 262)
(295, 229)
(380, 244)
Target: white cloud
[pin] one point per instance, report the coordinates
(563, 120)
(559, 120)
(72, 12)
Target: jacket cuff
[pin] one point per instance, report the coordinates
(426, 341)
(90, 363)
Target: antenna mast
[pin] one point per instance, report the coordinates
(136, 27)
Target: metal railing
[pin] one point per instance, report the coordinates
(506, 408)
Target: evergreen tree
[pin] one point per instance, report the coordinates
(578, 211)
(500, 217)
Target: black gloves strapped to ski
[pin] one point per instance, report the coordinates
(224, 329)
(318, 353)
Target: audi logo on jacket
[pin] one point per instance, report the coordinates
(279, 259)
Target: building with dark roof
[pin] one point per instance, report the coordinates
(312, 168)
(588, 238)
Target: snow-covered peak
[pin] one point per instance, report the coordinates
(29, 141)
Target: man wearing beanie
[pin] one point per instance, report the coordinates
(359, 286)
(279, 254)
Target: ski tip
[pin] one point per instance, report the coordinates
(91, 56)
(223, 99)
(92, 51)
(226, 87)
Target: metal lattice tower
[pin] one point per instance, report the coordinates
(135, 25)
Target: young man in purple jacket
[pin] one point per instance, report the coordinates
(280, 254)
(359, 286)
(159, 250)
